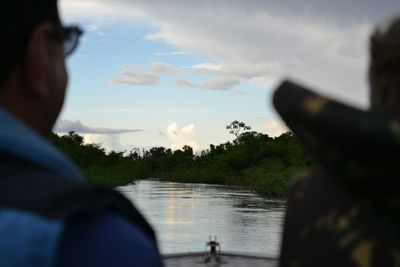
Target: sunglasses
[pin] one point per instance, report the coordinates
(70, 36)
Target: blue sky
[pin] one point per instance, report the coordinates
(149, 73)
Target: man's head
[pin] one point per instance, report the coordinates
(33, 77)
(384, 72)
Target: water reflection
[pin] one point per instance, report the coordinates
(185, 215)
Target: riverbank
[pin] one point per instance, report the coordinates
(261, 180)
(254, 160)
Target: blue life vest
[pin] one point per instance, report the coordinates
(40, 191)
(35, 206)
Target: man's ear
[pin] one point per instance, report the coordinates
(37, 62)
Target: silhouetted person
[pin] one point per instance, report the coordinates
(345, 212)
(48, 215)
(384, 70)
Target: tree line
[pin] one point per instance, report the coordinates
(252, 159)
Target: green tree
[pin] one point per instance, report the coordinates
(237, 128)
(253, 159)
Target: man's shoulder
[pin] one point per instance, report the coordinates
(106, 240)
(94, 235)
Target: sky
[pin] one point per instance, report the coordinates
(173, 73)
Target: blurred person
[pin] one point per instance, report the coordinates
(345, 212)
(49, 216)
(384, 69)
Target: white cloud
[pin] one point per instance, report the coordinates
(109, 138)
(139, 110)
(332, 57)
(135, 77)
(230, 75)
(186, 84)
(327, 38)
(110, 142)
(65, 126)
(225, 76)
(174, 53)
(220, 83)
(140, 75)
(99, 12)
(77, 9)
(242, 71)
(132, 78)
(182, 136)
(163, 68)
(275, 128)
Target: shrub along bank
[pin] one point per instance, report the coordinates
(254, 160)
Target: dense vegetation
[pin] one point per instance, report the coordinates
(252, 159)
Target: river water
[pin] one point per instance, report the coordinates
(185, 215)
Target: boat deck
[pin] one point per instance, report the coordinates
(226, 260)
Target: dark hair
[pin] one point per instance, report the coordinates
(384, 70)
(19, 19)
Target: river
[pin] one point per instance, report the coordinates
(185, 215)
